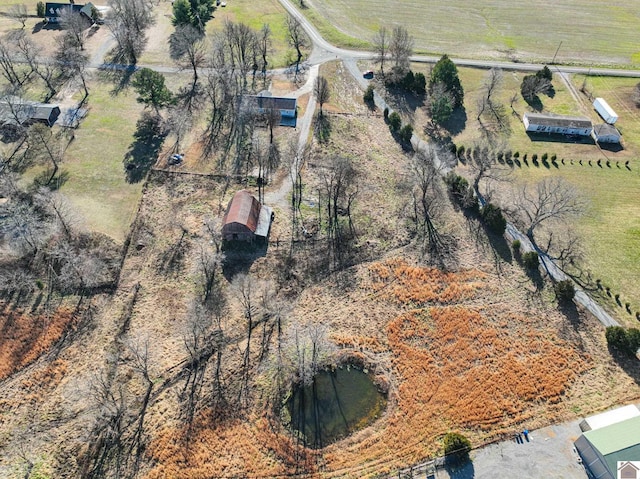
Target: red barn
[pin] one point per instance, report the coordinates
(246, 219)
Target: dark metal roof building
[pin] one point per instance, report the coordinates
(246, 219)
(16, 111)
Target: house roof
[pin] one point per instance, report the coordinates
(281, 103)
(606, 129)
(244, 209)
(608, 418)
(54, 10)
(548, 119)
(16, 111)
(617, 442)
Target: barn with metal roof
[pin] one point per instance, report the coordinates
(246, 219)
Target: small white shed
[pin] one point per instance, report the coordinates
(605, 111)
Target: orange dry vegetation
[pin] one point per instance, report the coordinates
(228, 449)
(408, 284)
(24, 337)
(455, 365)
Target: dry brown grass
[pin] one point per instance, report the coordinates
(25, 336)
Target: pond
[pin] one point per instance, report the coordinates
(337, 404)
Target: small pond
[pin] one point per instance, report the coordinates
(336, 404)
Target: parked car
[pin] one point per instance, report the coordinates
(368, 74)
(175, 159)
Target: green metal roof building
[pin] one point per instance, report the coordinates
(601, 449)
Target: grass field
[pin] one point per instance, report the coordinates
(591, 32)
(245, 11)
(97, 184)
(611, 228)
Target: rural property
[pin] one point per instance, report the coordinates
(319, 239)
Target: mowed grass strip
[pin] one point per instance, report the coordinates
(97, 184)
(590, 30)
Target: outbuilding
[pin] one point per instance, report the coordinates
(611, 442)
(246, 219)
(16, 111)
(606, 133)
(561, 124)
(605, 111)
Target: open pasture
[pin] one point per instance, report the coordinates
(591, 32)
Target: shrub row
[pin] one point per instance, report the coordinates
(395, 125)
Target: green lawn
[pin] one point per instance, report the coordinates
(97, 185)
(591, 31)
(610, 229)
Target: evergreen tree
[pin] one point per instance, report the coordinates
(446, 72)
(151, 89)
(192, 12)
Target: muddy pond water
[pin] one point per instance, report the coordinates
(337, 404)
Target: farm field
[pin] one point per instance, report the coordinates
(591, 32)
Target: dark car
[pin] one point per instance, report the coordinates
(368, 74)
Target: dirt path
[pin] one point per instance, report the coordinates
(279, 196)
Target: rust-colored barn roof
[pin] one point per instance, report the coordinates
(243, 209)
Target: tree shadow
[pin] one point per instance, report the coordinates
(460, 468)
(499, 244)
(322, 128)
(119, 75)
(457, 122)
(56, 182)
(534, 102)
(628, 363)
(143, 152)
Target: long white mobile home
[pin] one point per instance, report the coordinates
(564, 125)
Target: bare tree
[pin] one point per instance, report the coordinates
(381, 47)
(189, 50)
(72, 62)
(128, 21)
(297, 39)
(400, 49)
(551, 200)
(484, 166)
(339, 177)
(75, 26)
(264, 46)
(321, 91)
(19, 14)
(44, 147)
(247, 290)
(298, 159)
(489, 106)
(10, 66)
(428, 196)
(47, 71)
